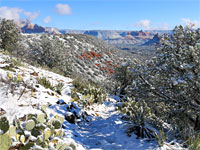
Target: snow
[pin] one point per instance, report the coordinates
(102, 128)
(104, 133)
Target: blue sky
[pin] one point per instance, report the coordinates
(104, 14)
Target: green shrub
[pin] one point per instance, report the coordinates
(59, 87)
(45, 82)
(96, 94)
(16, 62)
(161, 138)
(194, 144)
(140, 114)
(171, 78)
(50, 51)
(193, 141)
(90, 93)
(80, 84)
(9, 35)
(123, 78)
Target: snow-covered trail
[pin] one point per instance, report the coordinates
(107, 131)
(98, 127)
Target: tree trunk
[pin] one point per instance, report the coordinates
(197, 123)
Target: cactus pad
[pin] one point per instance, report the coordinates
(30, 125)
(60, 118)
(4, 125)
(47, 133)
(12, 131)
(5, 141)
(41, 118)
(35, 132)
(56, 124)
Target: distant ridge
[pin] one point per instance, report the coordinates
(113, 37)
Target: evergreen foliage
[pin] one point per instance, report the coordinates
(9, 35)
(170, 82)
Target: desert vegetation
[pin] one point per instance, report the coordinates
(167, 87)
(159, 98)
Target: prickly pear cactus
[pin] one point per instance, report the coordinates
(30, 125)
(18, 137)
(73, 146)
(41, 118)
(4, 125)
(5, 141)
(44, 107)
(47, 133)
(59, 144)
(56, 124)
(60, 118)
(27, 146)
(31, 116)
(59, 133)
(39, 140)
(35, 132)
(64, 146)
(12, 131)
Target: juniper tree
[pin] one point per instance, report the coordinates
(171, 80)
(9, 35)
(49, 50)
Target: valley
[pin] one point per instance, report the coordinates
(98, 89)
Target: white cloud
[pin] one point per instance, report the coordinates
(188, 22)
(143, 24)
(31, 15)
(146, 25)
(63, 9)
(14, 13)
(10, 13)
(47, 19)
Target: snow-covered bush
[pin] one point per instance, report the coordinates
(80, 84)
(9, 35)
(96, 95)
(48, 85)
(45, 82)
(160, 138)
(14, 82)
(170, 82)
(140, 114)
(90, 92)
(46, 50)
(123, 78)
(51, 52)
(59, 87)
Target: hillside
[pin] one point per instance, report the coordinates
(23, 97)
(87, 56)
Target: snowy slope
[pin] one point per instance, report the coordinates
(89, 57)
(98, 126)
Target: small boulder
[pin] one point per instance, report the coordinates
(70, 117)
(61, 102)
(2, 111)
(34, 74)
